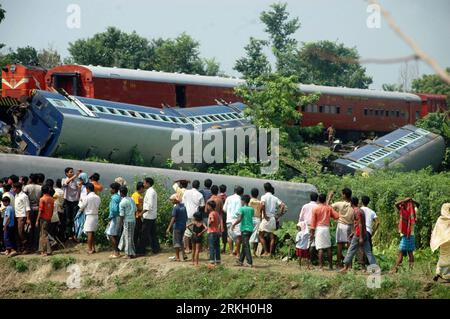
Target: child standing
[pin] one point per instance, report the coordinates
(213, 234)
(197, 228)
(178, 221)
(407, 210)
(8, 228)
(245, 218)
(46, 205)
(302, 244)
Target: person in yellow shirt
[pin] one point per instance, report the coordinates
(138, 198)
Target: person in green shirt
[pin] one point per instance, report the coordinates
(245, 218)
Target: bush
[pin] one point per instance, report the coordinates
(59, 262)
(19, 265)
(164, 212)
(385, 187)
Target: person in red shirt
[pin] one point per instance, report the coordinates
(359, 237)
(320, 228)
(214, 233)
(46, 204)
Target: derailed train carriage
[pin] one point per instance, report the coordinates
(407, 148)
(295, 195)
(54, 124)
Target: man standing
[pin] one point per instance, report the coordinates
(306, 215)
(194, 202)
(33, 191)
(359, 238)
(46, 206)
(71, 198)
(270, 204)
(127, 212)
(331, 132)
(138, 198)
(114, 225)
(90, 206)
(150, 213)
(372, 221)
(22, 213)
(231, 207)
(320, 229)
(344, 226)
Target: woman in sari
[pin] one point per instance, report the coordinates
(440, 238)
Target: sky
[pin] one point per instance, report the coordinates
(223, 27)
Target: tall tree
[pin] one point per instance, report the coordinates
(129, 50)
(273, 100)
(255, 63)
(280, 29)
(49, 58)
(391, 87)
(112, 48)
(332, 64)
(2, 17)
(181, 54)
(24, 55)
(432, 83)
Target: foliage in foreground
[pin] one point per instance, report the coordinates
(385, 187)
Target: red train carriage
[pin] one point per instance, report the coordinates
(19, 80)
(141, 87)
(432, 103)
(361, 110)
(350, 110)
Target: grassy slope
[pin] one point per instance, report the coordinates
(156, 277)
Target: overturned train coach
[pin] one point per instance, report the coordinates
(407, 148)
(294, 195)
(53, 124)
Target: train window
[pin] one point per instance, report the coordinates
(183, 120)
(113, 111)
(386, 113)
(101, 109)
(338, 110)
(371, 112)
(90, 107)
(397, 113)
(392, 113)
(376, 112)
(349, 111)
(381, 113)
(320, 108)
(365, 111)
(303, 108)
(417, 115)
(164, 118)
(180, 92)
(314, 108)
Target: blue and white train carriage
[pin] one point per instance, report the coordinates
(55, 124)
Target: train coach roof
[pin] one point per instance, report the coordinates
(190, 79)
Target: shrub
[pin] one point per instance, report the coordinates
(385, 187)
(59, 262)
(19, 265)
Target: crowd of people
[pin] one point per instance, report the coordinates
(39, 212)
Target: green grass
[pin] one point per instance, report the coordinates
(59, 262)
(19, 265)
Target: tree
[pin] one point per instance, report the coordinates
(181, 54)
(113, 48)
(438, 123)
(129, 50)
(48, 58)
(432, 83)
(255, 63)
(25, 55)
(332, 64)
(280, 29)
(273, 101)
(2, 17)
(392, 87)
